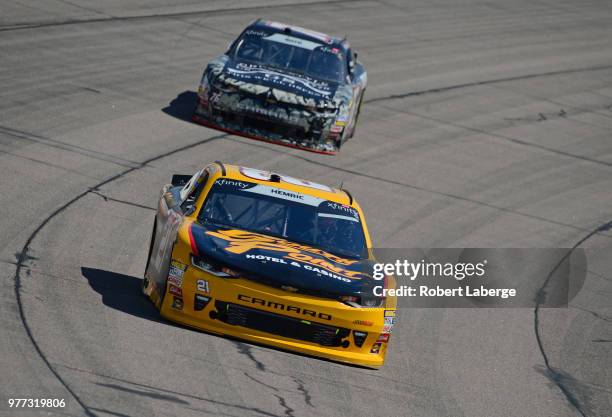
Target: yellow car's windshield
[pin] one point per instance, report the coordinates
(333, 227)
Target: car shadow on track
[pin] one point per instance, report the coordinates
(182, 106)
(124, 293)
(121, 292)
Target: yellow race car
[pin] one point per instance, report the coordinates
(269, 259)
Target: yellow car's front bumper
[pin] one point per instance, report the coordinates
(263, 314)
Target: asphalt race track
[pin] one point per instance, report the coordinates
(486, 124)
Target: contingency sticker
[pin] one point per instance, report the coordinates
(173, 289)
(177, 303)
(178, 265)
(390, 317)
(383, 338)
(175, 280)
(176, 272)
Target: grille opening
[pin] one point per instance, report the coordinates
(266, 125)
(293, 328)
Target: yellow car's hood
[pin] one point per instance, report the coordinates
(282, 263)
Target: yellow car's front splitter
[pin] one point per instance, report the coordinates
(364, 359)
(265, 315)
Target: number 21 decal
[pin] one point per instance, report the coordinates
(202, 285)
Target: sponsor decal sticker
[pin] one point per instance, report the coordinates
(298, 255)
(383, 338)
(390, 313)
(177, 303)
(233, 183)
(175, 280)
(389, 321)
(175, 272)
(388, 329)
(173, 289)
(363, 322)
(376, 347)
(319, 271)
(178, 265)
(244, 73)
(290, 40)
(343, 208)
(258, 33)
(285, 195)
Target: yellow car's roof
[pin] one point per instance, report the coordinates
(286, 182)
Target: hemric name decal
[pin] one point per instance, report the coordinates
(280, 306)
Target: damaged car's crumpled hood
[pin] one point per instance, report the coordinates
(277, 85)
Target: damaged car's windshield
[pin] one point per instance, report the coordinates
(333, 227)
(282, 51)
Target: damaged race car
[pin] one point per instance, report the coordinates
(269, 259)
(286, 85)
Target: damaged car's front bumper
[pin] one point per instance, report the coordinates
(264, 117)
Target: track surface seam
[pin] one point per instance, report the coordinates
(212, 12)
(554, 374)
(506, 138)
(486, 82)
(165, 390)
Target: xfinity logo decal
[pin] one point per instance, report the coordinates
(233, 183)
(343, 208)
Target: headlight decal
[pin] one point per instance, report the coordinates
(200, 302)
(207, 266)
(359, 337)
